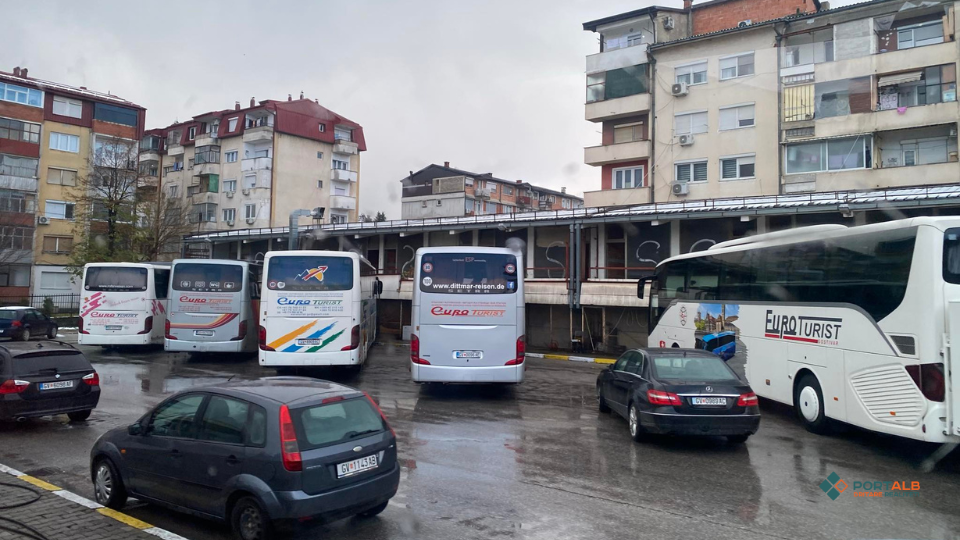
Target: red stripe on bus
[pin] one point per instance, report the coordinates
(805, 339)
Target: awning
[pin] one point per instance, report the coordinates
(900, 78)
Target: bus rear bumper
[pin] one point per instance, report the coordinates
(294, 359)
(114, 339)
(182, 345)
(494, 374)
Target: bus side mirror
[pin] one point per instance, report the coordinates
(642, 284)
(379, 287)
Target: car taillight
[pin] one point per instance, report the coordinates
(166, 330)
(521, 352)
(263, 340)
(748, 400)
(377, 407)
(333, 399)
(415, 351)
(13, 386)
(16, 324)
(147, 325)
(80, 327)
(288, 442)
(929, 379)
(656, 397)
(242, 333)
(354, 339)
(92, 379)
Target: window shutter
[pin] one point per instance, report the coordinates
(728, 118)
(728, 168)
(700, 172)
(683, 172)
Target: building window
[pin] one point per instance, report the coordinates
(56, 280)
(319, 155)
(620, 42)
(736, 66)
(192, 133)
(830, 155)
(16, 130)
(173, 189)
(59, 209)
(341, 164)
(342, 134)
(338, 218)
(808, 48)
(566, 202)
(924, 151)
(249, 182)
(204, 213)
(507, 190)
(213, 128)
(229, 185)
(919, 35)
(319, 184)
(16, 238)
(627, 178)
(173, 138)
(687, 123)
(798, 98)
(624, 133)
(16, 201)
(323, 127)
(691, 73)
(207, 154)
(341, 189)
(617, 83)
(737, 168)
(64, 142)
(18, 166)
(231, 157)
(232, 124)
(114, 114)
(19, 94)
(736, 117)
(250, 211)
(693, 171)
(842, 97)
(57, 244)
(67, 107)
(934, 84)
(61, 177)
(229, 214)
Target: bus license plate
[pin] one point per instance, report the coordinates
(113, 327)
(204, 333)
(357, 466)
(708, 401)
(56, 385)
(468, 354)
(309, 342)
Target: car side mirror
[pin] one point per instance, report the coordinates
(135, 429)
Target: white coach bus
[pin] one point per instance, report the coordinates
(123, 303)
(318, 308)
(468, 316)
(859, 325)
(213, 306)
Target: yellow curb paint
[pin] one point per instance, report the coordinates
(39, 483)
(556, 357)
(123, 518)
(604, 361)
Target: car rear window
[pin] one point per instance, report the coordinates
(335, 422)
(692, 368)
(9, 314)
(35, 363)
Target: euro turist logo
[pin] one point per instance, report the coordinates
(313, 273)
(833, 486)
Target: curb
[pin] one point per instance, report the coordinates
(82, 501)
(571, 358)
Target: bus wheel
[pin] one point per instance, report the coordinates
(808, 402)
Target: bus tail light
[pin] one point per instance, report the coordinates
(929, 379)
(354, 339)
(242, 333)
(521, 352)
(382, 416)
(147, 325)
(166, 330)
(289, 448)
(748, 400)
(80, 327)
(263, 340)
(656, 397)
(415, 351)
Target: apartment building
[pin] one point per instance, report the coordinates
(251, 167)
(49, 137)
(443, 191)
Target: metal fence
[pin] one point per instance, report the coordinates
(60, 304)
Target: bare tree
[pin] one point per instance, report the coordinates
(163, 223)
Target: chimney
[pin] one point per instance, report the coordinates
(16, 71)
(23, 73)
(253, 102)
(519, 181)
(301, 94)
(83, 87)
(687, 4)
(446, 164)
(563, 190)
(289, 97)
(236, 106)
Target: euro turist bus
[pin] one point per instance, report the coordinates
(123, 304)
(318, 308)
(468, 316)
(213, 306)
(855, 325)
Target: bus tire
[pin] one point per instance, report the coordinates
(809, 404)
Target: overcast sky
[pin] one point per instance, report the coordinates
(490, 86)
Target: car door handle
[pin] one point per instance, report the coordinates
(232, 460)
(175, 453)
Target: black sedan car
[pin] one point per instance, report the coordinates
(22, 323)
(44, 379)
(678, 392)
(254, 453)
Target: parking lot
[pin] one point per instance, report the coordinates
(539, 461)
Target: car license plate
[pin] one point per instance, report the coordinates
(309, 342)
(356, 466)
(708, 401)
(56, 385)
(113, 327)
(205, 333)
(468, 354)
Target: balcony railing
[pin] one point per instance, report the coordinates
(256, 164)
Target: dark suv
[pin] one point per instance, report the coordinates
(46, 378)
(25, 322)
(254, 453)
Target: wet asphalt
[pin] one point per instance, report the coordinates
(539, 461)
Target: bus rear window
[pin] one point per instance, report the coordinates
(106, 278)
(468, 273)
(951, 256)
(306, 273)
(207, 277)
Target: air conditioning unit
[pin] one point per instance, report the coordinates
(230, 223)
(229, 194)
(680, 188)
(43, 220)
(246, 191)
(423, 204)
(744, 23)
(668, 23)
(685, 140)
(679, 89)
(251, 221)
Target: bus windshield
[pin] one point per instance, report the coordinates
(207, 277)
(310, 273)
(465, 273)
(105, 278)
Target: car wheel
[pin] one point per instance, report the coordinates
(79, 416)
(249, 521)
(108, 486)
(25, 335)
(737, 439)
(633, 422)
(808, 402)
(373, 511)
(52, 332)
(601, 402)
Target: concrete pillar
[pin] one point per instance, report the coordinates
(674, 237)
(476, 237)
(426, 239)
(859, 218)
(383, 256)
(761, 224)
(594, 261)
(601, 250)
(531, 241)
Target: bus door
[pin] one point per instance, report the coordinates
(207, 302)
(953, 368)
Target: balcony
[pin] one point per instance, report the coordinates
(20, 183)
(920, 115)
(256, 164)
(174, 149)
(343, 202)
(206, 139)
(891, 62)
(889, 177)
(344, 176)
(147, 181)
(258, 133)
(344, 147)
(524, 200)
(203, 169)
(204, 197)
(613, 153)
(149, 155)
(617, 58)
(616, 197)
(611, 109)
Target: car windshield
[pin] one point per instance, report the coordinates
(692, 368)
(335, 422)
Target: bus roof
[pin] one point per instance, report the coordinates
(311, 253)
(468, 249)
(130, 264)
(232, 262)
